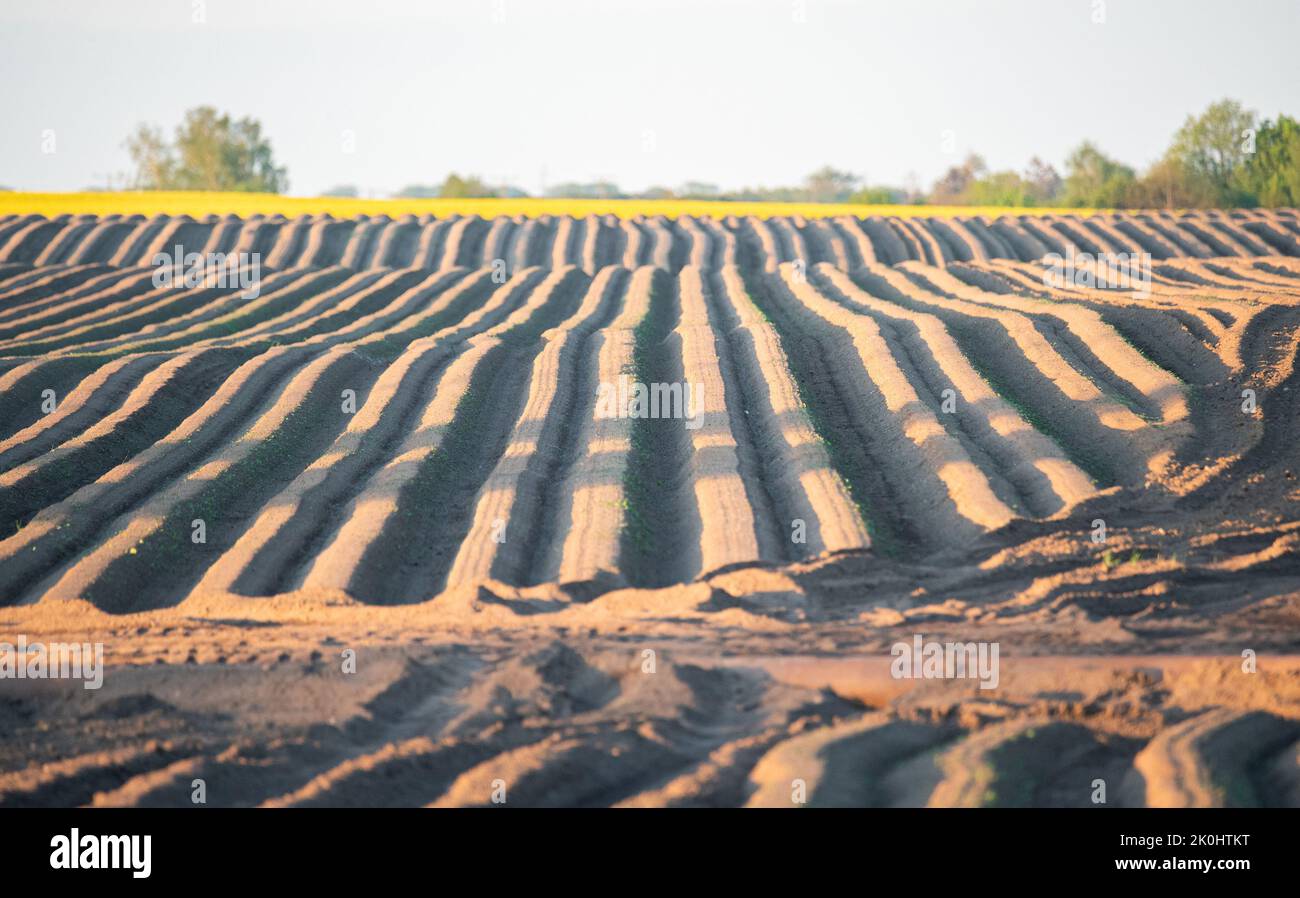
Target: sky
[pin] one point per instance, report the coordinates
(384, 93)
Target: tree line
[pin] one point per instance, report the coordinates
(1225, 157)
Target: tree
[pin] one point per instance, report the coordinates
(418, 191)
(1042, 182)
(1168, 184)
(1272, 173)
(598, 190)
(952, 186)
(1211, 150)
(152, 157)
(456, 187)
(828, 185)
(1004, 188)
(343, 190)
(1095, 180)
(211, 151)
(696, 190)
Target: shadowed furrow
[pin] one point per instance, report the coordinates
(554, 408)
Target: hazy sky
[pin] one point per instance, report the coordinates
(642, 92)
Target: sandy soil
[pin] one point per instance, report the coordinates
(472, 585)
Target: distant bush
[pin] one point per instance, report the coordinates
(972, 184)
(418, 192)
(456, 187)
(597, 190)
(879, 196)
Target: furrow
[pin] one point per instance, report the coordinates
(98, 394)
(1202, 762)
(1026, 370)
(164, 397)
(737, 519)
(125, 572)
(838, 766)
(592, 503)
(814, 511)
(386, 548)
(943, 490)
(508, 529)
(297, 522)
(60, 530)
(1041, 475)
